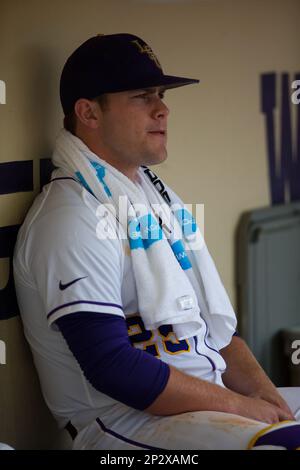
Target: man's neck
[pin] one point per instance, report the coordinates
(131, 171)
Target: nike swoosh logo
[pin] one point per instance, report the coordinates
(64, 286)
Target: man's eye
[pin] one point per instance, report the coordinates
(146, 97)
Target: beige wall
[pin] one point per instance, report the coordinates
(217, 153)
(216, 144)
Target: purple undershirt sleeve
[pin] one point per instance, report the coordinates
(101, 345)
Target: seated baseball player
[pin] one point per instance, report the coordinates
(132, 332)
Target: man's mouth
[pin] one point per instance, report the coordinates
(161, 132)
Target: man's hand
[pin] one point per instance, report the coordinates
(274, 398)
(245, 376)
(264, 411)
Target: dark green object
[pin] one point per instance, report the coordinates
(268, 281)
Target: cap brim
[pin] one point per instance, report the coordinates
(165, 81)
(168, 81)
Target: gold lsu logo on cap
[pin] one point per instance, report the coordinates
(144, 49)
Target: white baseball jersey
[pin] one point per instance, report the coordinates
(61, 266)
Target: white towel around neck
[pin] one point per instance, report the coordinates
(162, 262)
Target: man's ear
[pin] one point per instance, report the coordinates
(88, 112)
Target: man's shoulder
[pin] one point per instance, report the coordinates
(62, 213)
(66, 194)
(60, 201)
(64, 218)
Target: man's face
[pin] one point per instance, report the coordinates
(133, 128)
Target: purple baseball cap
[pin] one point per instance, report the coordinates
(112, 63)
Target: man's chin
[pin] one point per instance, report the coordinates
(156, 159)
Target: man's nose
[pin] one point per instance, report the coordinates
(161, 109)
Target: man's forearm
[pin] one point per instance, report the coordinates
(245, 376)
(243, 373)
(185, 393)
